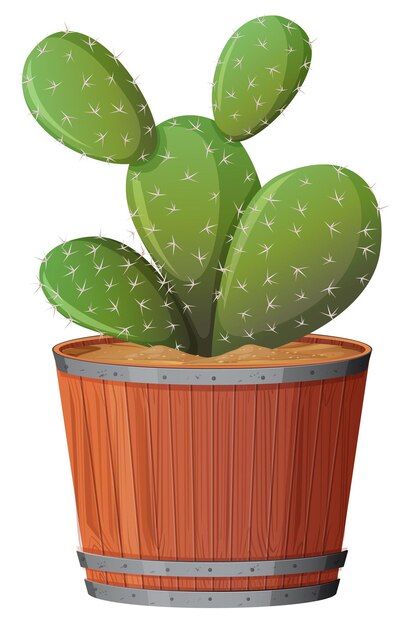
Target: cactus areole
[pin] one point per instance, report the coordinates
(234, 263)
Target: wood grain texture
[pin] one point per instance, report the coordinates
(181, 472)
(162, 460)
(120, 441)
(81, 468)
(265, 443)
(318, 504)
(141, 447)
(342, 464)
(304, 457)
(101, 457)
(224, 407)
(202, 436)
(243, 461)
(183, 477)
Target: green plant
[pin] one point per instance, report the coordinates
(236, 263)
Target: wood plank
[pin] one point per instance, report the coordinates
(81, 469)
(283, 467)
(139, 425)
(202, 420)
(330, 411)
(119, 434)
(182, 440)
(223, 467)
(101, 459)
(265, 429)
(343, 464)
(243, 461)
(306, 441)
(162, 459)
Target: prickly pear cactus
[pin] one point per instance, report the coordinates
(308, 245)
(104, 285)
(261, 69)
(184, 202)
(81, 94)
(236, 263)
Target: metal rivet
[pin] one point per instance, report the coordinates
(209, 569)
(312, 372)
(294, 565)
(133, 595)
(171, 599)
(252, 569)
(114, 373)
(167, 569)
(263, 377)
(210, 599)
(165, 377)
(286, 595)
(213, 378)
(248, 599)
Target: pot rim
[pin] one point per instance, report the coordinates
(218, 374)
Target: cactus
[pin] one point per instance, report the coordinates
(235, 263)
(261, 69)
(308, 246)
(184, 202)
(104, 285)
(82, 95)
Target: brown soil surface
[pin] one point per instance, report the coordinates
(294, 353)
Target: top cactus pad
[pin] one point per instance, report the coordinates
(260, 70)
(82, 95)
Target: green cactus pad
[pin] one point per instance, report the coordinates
(184, 202)
(104, 285)
(81, 94)
(260, 70)
(308, 245)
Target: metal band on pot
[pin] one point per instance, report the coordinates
(300, 565)
(211, 376)
(211, 599)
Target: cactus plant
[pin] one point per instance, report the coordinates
(83, 96)
(235, 263)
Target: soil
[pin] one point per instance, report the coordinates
(294, 353)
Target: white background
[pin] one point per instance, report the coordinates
(343, 117)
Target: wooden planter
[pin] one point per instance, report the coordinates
(212, 487)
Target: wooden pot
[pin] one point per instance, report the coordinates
(210, 486)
